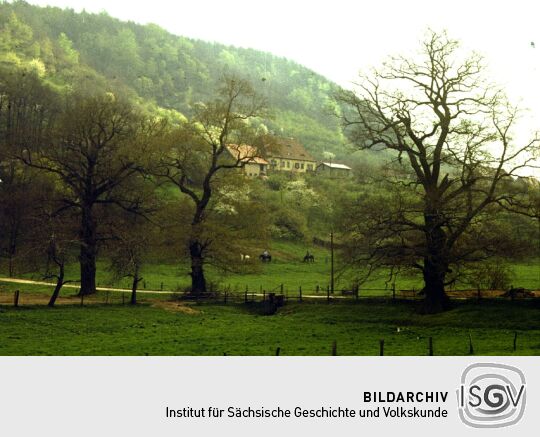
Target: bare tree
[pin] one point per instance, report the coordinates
(197, 154)
(451, 133)
(58, 252)
(134, 238)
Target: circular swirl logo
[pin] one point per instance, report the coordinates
(491, 395)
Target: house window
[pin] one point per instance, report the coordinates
(282, 164)
(302, 166)
(288, 164)
(296, 165)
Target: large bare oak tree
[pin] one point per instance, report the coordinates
(453, 133)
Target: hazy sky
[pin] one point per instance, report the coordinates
(337, 38)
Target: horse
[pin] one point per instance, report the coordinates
(309, 258)
(265, 258)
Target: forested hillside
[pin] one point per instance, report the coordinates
(89, 51)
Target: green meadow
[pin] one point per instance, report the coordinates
(287, 268)
(161, 324)
(297, 329)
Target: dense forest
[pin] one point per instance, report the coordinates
(163, 71)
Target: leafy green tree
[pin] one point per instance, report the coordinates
(27, 112)
(16, 35)
(67, 53)
(196, 158)
(95, 152)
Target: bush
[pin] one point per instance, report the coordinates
(491, 275)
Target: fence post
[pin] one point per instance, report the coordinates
(317, 289)
(123, 298)
(334, 348)
(515, 341)
(300, 293)
(394, 292)
(107, 298)
(430, 346)
(246, 296)
(264, 295)
(225, 297)
(82, 299)
(16, 298)
(278, 350)
(281, 287)
(328, 294)
(471, 348)
(162, 286)
(381, 347)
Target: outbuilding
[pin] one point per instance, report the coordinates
(333, 169)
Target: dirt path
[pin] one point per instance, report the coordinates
(50, 284)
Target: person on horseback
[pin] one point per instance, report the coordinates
(309, 258)
(265, 256)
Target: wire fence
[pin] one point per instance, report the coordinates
(279, 295)
(299, 294)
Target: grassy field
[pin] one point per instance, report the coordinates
(288, 269)
(161, 327)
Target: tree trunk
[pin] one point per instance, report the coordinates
(198, 281)
(435, 299)
(59, 285)
(435, 266)
(134, 286)
(88, 252)
(12, 250)
(10, 265)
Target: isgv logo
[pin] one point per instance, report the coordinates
(491, 395)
